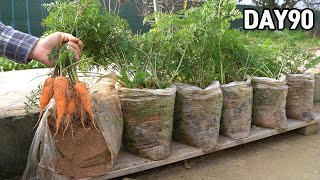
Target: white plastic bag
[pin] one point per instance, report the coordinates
(45, 154)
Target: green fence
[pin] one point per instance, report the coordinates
(24, 15)
(27, 15)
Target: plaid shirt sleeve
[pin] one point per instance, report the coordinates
(15, 45)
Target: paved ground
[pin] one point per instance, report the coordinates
(288, 156)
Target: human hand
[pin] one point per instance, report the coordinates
(44, 46)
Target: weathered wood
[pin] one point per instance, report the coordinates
(309, 130)
(129, 163)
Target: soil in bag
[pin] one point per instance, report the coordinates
(269, 102)
(237, 109)
(300, 96)
(79, 152)
(148, 121)
(86, 152)
(197, 115)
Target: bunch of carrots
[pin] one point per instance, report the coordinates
(71, 95)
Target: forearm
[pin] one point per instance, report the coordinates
(15, 45)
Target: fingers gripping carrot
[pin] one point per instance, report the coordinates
(85, 100)
(46, 95)
(60, 95)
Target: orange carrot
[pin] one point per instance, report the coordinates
(60, 96)
(46, 95)
(71, 107)
(83, 94)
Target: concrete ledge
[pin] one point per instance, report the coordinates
(16, 134)
(16, 127)
(309, 130)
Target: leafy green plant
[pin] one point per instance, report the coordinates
(194, 46)
(283, 52)
(265, 57)
(302, 38)
(9, 65)
(152, 65)
(157, 55)
(103, 33)
(199, 44)
(32, 101)
(297, 60)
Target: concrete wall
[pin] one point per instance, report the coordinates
(16, 127)
(16, 134)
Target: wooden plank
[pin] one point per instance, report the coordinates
(129, 163)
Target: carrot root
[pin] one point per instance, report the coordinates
(67, 125)
(82, 119)
(81, 90)
(60, 95)
(71, 107)
(46, 95)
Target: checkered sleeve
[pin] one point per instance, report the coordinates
(15, 45)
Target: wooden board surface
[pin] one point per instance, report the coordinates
(129, 163)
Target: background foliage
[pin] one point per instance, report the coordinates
(103, 33)
(8, 65)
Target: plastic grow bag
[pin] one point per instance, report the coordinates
(237, 109)
(49, 159)
(269, 102)
(300, 96)
(148, 121)
(317, 88)
(197, 115)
